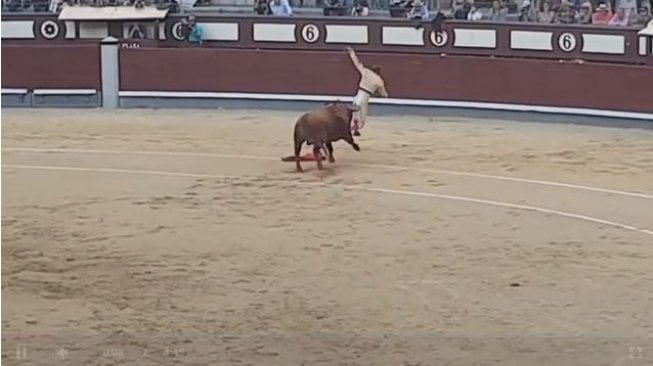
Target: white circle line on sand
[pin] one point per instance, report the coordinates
(118, 171)
(374, 166)
(345, 186)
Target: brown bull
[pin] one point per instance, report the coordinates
(321, 127)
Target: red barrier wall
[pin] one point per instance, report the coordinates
(49, 66)
(483, 79)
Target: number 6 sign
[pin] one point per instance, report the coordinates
(310, 33)
(567, 42)
(439, 39)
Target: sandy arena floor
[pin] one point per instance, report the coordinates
(179, 237)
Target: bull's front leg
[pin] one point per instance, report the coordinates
(318, 156)
(350, 140)
(329, 147)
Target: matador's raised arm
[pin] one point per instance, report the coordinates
(354, 59)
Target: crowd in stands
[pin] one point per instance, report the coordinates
(54, 6)
(597, 12)
(617, 13)
(611, 13)
(273, 7)
(608, 13)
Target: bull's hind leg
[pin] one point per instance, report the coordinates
(298, 149)
(329, 147)
(318, 156)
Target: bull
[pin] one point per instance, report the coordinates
(321, 128)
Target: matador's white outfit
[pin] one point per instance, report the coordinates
(370, 84)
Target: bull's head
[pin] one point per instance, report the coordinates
(342, 111)
(338, 104)
(330, 104)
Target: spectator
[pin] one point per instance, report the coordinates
(513, 6)
(262, 7)
(474, 14)
(554, 4)
(585, 14)
(457, 9)
(630, 6)
(545, 15)
(498, 13)
(402, 4)
(462, 12)
(526, 12)
(418, 11)
(620, 18)
(281, 7)
(361, 8)
(332, 7)
(642, 18)
(602, 15)
(195, 32)
(565, 14)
